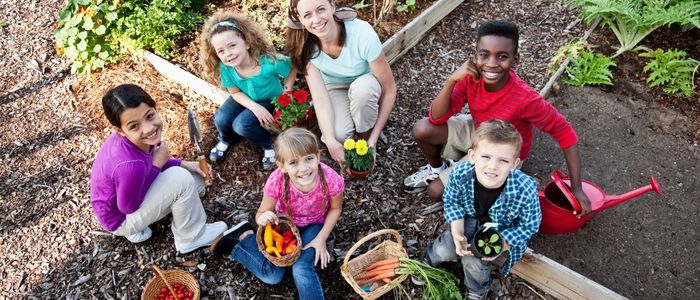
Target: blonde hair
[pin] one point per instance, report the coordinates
(498, 132)
(294, 143)
(248, 30)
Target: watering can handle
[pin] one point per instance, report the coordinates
(558, 177)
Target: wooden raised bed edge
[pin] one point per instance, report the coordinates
(537, 269)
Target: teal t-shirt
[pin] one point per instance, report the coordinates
(264, 86)
(361, 47)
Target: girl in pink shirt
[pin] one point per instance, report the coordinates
(307, 190)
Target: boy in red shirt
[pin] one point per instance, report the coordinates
(492, 91)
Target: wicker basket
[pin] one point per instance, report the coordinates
(385, 250)
(167, 279)
(287, 260)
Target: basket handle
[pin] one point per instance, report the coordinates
(160, 274)
(370, 236)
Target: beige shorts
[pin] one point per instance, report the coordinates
(460, 134)
(355, 105)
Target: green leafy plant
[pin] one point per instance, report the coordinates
(157, 24)
(573, 47)
(492, 243)
(589, 69)
(672, 70)
(360, 5)
(358, 155)
(632, 20)
(82, 34)
(291, 108)
(406, 5)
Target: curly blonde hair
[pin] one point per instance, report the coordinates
(248, 30)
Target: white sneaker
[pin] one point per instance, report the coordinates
(140, 236)
(420, 180)
(210, 232)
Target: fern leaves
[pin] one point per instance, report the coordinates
(671, 70)
(589, 69)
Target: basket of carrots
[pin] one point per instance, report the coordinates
(171, 284)
(280, 243)
(385, 266)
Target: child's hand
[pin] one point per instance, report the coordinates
(461, 244)
(322, 254)
(193, 166)
(161, 155)
(468, 68)
(267, 218)
(264, 116)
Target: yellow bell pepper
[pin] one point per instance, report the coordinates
(267, 236)
(272, 250)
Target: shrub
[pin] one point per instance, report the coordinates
(672, 70)
(589, 69)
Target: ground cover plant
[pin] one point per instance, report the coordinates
(672, 70)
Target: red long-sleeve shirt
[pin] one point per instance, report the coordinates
(516, 103)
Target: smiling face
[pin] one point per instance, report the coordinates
(230, 47)
(142, 126)
(492, 162)
(302, 171)
(495, 56)
(317, 17)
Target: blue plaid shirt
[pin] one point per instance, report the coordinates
(516, 211)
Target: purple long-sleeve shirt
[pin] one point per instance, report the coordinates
(121, 176)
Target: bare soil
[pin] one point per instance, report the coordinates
(52, 247)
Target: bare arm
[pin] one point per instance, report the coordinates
(324, 113)
(266, 212)
(264, 116)
(289, 80)
(319, 242)
(441, 105)
(382, 71)
(573, 164)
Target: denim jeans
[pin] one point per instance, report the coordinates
(233, 121)
(477, 273)
(303, 270)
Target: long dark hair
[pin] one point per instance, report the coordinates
(299, 44)
(124, 96)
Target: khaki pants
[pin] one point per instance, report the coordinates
(175, 191)
(355, 105)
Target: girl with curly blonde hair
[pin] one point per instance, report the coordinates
(237, 55)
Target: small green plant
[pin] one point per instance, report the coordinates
(589, 69)
(358, 155)
(672, 70)
(632, 20)
(405, 6)
(360, 5)
(492, 242)
(292, 108)
(82, 34)
(572, 48)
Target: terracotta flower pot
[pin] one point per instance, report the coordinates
(360, 174)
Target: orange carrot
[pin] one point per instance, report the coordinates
(375, 265)
(379, 276)
(376, 271)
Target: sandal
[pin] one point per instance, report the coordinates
(268, 162)
(223, 244)
(219, 152)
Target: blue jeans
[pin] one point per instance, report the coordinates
(233, 121)
(477, 273)
(303, 270)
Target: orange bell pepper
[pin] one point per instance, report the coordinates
(279, 240)
(290, 249)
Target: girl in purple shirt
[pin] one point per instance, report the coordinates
(309, 191)
(135, 182)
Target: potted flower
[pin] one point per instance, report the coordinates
(359, 158)
(292, 108)
(487, 242)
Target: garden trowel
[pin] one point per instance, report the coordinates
(195, 137)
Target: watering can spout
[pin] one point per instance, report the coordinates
(612, 200)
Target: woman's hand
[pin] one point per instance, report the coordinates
(267, 217)
(322, 254)
(193, 166)
(161, 155)
(337, 152)
(264, 116)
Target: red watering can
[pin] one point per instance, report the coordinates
(559, 204)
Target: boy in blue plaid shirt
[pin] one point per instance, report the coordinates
(490, 188)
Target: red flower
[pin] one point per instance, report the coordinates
(278, 114)
(284, 100)
(301, 96)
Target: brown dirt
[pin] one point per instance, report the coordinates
(52, 248)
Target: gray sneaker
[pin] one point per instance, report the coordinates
(419, 181)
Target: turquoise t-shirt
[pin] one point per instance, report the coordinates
(264, 86)
(361, 47)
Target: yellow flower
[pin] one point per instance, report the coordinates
(361, 147)
(349, 144)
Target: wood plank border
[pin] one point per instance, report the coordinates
(558, 280)
(397, 45)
